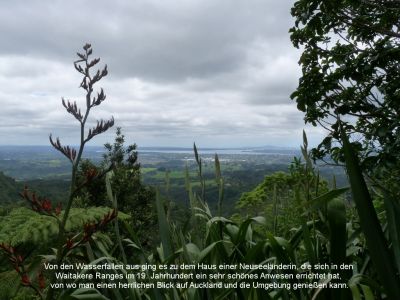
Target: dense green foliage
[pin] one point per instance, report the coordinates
(349, 86)
(281, 197)
(24, 227)
(293, 218)
(327, 238)
(350, 59)
(133, 197)
(8, 189)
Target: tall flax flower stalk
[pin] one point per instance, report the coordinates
(83, 65)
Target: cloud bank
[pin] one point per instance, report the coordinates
(216, 72)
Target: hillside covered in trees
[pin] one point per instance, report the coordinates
(9, 188)
(293, 235)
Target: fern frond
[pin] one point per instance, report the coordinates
(23, 225)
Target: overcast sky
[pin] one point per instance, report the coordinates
(211, 71)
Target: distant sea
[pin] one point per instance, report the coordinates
(10, 151)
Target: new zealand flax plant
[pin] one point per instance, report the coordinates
(381, 256)
(71, 227)
(84, 65)
(67, 240)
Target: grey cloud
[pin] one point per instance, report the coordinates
(179, 70)
(155, 40)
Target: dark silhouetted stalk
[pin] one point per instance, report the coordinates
(84, 66)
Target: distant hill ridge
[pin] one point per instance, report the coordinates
(9, 189)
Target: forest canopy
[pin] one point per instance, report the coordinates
(291, 225)
(350, 73)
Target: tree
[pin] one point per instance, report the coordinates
(349, 85)
(8, 189)
(350, 75)
(132, 196)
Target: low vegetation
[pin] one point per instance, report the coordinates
(294, 218)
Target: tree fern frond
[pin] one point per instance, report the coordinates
(23, 225)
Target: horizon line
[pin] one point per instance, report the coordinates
(167, 147)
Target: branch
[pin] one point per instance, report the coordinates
(73, 109)
(69, 152)
(100, 98)
(101, 127)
